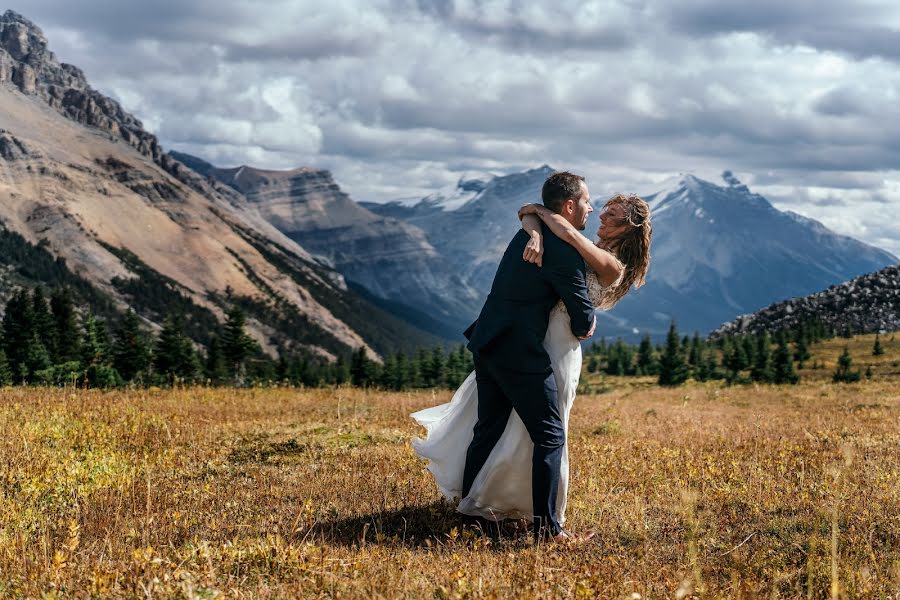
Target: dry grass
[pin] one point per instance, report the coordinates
(701, 491)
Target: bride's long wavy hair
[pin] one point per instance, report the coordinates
(632, 248)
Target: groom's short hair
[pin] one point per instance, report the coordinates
(559, 187)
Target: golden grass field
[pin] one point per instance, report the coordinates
(701, 491)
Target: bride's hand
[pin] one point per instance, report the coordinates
(534, 250)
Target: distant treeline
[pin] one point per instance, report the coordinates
(760, 357)
(46, 341)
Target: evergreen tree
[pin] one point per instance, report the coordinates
(761, 370)
(6, 375)
(437, 368)
(174, 357)
(646, 357)
(593, 364)
(843, 373)
(340, 371)
(130, 351)
(877, 350)
(749, 350)
(96, 355)
(17, 333)
(802, 354)
(42, 322)
(236, 345)
(68, 337)
(454, 370)
(37, 359)
(673, 369)
(361, 369)
(401, 374)
(214, 368)
(695, 355)
(711, 365)
(783, 363)
(617, 357)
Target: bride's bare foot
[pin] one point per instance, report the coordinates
(568, 537)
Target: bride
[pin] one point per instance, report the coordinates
(617, 262)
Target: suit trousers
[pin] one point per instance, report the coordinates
(534, 398)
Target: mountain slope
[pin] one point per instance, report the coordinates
(391, 259)
(866, 304)
(81, 177)
(718, 251)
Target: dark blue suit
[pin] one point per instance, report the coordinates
(513, 370)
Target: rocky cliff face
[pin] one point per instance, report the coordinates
(391, 259)
(27, 63)
(80, 177)
(866, 304)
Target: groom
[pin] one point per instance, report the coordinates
(512, 369)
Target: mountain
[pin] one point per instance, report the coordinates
(392, 260)
(866, 304)
(718, 250)
(85, 187)
(471, 225)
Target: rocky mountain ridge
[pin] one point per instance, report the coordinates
(393, 260)
(866, 304)
(82, 180)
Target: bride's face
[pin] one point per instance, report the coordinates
(612, 222)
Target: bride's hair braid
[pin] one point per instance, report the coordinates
(632, 248)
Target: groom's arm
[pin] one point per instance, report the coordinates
(566, 273)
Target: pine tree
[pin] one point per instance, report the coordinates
(783, 363)
(877, 350)
(761, 370)
(42, 322)
(593, 364)
(646, 358)
(214, 368)
(401, 380)
(802, 354)
(673, 369)
(454, 370)
(95, 354)
(341, 371)
(749, 350)
(236, 345)
(68, 337)
(37, 359)
(130, 351)
(695, 357)
(437, 368)
(174, 357)
(17, 333)
(843, 373)
(6, 375)
(360, 371)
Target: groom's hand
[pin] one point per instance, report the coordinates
(534, 250)
(591, 331)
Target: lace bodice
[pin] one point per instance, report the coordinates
(596, 291)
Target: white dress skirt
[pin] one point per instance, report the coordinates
(502, 489)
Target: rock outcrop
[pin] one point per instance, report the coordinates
(866, 304)
(391, 259)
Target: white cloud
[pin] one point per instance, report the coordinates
(398, 97)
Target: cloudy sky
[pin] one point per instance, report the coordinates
(399, 97)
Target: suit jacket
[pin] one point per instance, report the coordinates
(511, 327)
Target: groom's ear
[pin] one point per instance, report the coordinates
(568, 207)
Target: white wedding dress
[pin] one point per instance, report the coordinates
(502, 489)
